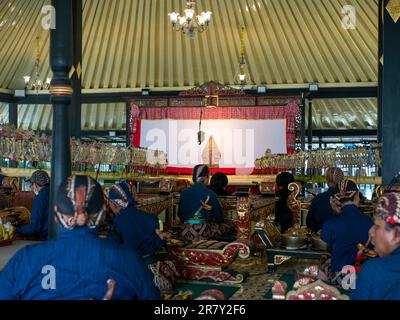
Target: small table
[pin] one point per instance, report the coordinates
(7, 252)
(277, 256)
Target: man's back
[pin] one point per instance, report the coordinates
(320, 210)
(343, 233)
(76, 266)
(190, 201)
(39, 216)
(138, 230)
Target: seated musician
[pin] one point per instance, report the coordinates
(283, 214)
(320, 209)
(379, 278)
(218, 184)
(38, 227)
(140, 231)
(199, 207)
(346, 229)
(78, 265)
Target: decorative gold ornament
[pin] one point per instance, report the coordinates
(211, 101)
(61, 90)
(71, 71)
(278, 260)
(393, 7)
(79, 70)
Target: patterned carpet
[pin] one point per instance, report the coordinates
(256, 285)
(259, 281)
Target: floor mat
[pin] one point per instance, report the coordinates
(197, 288)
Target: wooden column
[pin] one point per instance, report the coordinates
(303, 124)
(127, 126)
(380, 68)
(13, 119)
(310, 124)
(60, 96)
(76, 79)
(13, 114)
(390, 98)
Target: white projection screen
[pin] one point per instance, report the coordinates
(238, 142)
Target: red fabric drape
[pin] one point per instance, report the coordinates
(227, 171)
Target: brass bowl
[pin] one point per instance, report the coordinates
(298, 231)
(293, 241)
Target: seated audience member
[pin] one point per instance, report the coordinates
(199, 207)
(283, 214)
(320, 209)
(218, 183)
(379, 278)
(77, 265)
(346, 229)
(38, 227)
(140, 231)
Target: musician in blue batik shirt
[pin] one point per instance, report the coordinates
(347, 228)
(137, 228)
(379, 278)
(142, 232)
(199, 209)
(78, 265)
(40, 207)
(320, 209)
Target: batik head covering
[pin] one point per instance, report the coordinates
(345, 190)
(80, 202)
(40, 177)
(200, 173)
(389, 208)
(334, 175)
(121, 195)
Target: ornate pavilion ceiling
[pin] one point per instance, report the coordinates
(344, 113)
(129, 45)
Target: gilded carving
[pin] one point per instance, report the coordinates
(393, 8)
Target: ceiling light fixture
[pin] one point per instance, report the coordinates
(36, 83)
(190, 23)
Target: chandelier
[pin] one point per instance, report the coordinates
(190, 23)
(241, 74)
(36, 83)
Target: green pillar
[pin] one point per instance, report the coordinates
(60, 96)
(390, 97)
